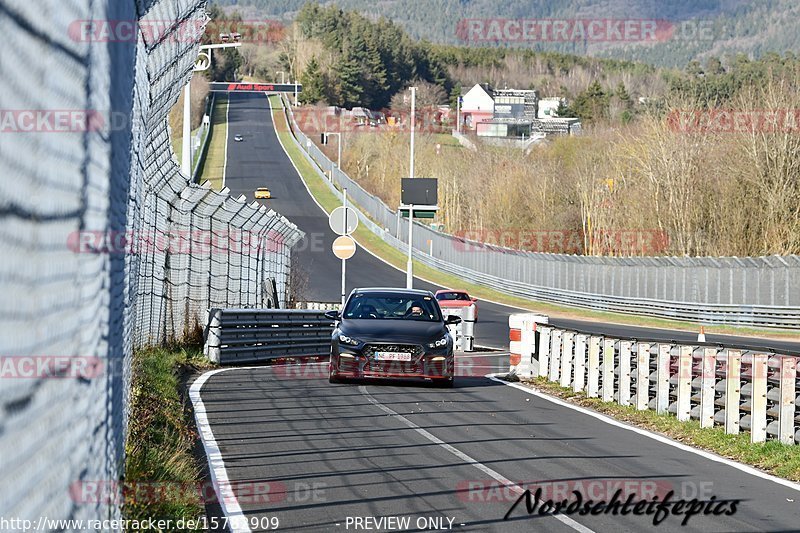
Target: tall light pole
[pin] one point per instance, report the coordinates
(410, 264)
(458, 114)
(203, 63)
(344, 262)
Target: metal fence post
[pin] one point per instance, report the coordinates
(213, 341)
(642, 376)
(608, 370)
(625, 372)
(578, 383)
(566, 358)
(662, 378)
(786, 408)
(593, 372)
(544, 352)
(684, 411)
(708, 381)
(733, 390)
(758, 409)
(555, 356)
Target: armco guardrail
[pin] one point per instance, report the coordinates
(751, 291)
(740, 390)
(239, 336)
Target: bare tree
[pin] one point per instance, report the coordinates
(428, 95)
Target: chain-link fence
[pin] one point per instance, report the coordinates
(752, 291)
(105, 245)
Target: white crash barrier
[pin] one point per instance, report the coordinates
(464, 332)
(738, 390)
(522, 346)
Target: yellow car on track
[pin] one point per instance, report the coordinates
(262, 193)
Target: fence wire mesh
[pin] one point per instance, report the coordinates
(106, 247)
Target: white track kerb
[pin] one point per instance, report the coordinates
(216, 466)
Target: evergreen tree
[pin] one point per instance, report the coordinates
(349, 86)
(623, 96)
(592, 104)
(376, 86)
(313, 83)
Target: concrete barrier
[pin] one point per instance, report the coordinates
(523, 341)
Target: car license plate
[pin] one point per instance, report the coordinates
(392, 356)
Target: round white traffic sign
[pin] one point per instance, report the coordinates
(344, 247)
(343, 220)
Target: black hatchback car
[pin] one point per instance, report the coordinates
(392, 333)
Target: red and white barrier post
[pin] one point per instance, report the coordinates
(522, 343)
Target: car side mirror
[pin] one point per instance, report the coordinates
(333, 315)
(452, 320)
(474, 300)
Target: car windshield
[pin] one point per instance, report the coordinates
(383, 306)
(453, 296)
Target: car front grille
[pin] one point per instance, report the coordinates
(414, 349)
(394, 367)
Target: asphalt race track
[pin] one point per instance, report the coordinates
(324, 457)
(313, 454)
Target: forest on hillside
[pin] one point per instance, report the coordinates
(346, 59)
(736, 26)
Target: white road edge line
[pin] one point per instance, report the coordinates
(466, 458)
(216, 466)
(660, 438)
(303, 181)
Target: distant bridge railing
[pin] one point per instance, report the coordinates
(750, 291)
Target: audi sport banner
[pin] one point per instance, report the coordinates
(255, 87)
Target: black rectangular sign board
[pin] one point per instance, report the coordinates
(419, 191)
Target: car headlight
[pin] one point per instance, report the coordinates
(441, 343)
(344, 339)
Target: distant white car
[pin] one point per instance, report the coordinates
(238, 138)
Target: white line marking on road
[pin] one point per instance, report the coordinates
(660, 438)
(216, 465)
(466, 458)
